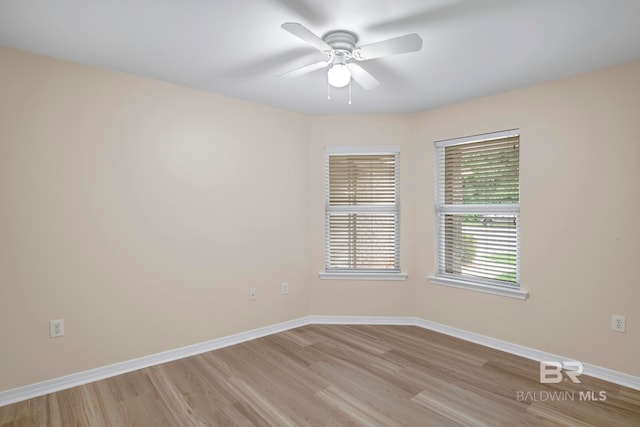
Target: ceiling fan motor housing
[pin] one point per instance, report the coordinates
(341, 40)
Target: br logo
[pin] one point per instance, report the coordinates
(552, 372)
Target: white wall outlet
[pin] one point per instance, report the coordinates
(285, 288)
(618, 323)
(252, 294)
(56, 328)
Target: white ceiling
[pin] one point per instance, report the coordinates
(471, 48)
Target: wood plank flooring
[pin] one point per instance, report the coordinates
(327, 375)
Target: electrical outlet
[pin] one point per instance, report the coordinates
(618, 323)
(285, 288)
(56, 328)
(252, 294)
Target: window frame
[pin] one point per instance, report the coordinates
(441, 208)
(363, 274)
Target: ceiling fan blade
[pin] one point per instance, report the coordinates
(304, 70)
(403, 44)
(362, 76)
(306, 35)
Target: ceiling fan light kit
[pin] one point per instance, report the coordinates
(341, 50)
(342, 45)
(339, 75)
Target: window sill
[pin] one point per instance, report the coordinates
(489, 289)
(334, 275)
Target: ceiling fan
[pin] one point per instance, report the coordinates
(341, 50)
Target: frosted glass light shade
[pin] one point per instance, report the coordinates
(339, 75)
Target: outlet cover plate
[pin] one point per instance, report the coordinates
(618, 323)
(56, 328)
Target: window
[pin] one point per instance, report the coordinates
(478, 212)
(362, 213)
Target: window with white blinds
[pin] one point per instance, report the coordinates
(478, 209)
(362, 209)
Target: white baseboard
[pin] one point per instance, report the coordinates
(595, 371)
(362, 320)
(39, 389)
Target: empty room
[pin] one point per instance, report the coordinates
(319, 213)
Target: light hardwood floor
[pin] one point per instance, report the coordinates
(336, 376)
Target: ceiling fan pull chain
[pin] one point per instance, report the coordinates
(328, 90)
(350, 91)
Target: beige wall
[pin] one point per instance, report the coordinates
(142, 212)
(580, 217)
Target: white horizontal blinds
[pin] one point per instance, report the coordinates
(356, 180)
(483, 172)
(480, 246)
(362, 242)
(362, 212)
(478, 208)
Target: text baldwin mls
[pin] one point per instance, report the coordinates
(547, 396)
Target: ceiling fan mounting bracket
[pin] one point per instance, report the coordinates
(341, 40)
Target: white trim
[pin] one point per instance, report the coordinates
(375, 209)
(595, 371)
(347, 275)
(477, 138)
(362, 320)
(479, 209)
(612, 376)
(39, 389)
(448, 246)
(347, 209)
(478, 287)
(361, 149)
